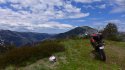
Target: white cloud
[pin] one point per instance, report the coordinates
(2, 1)
(21, 25)
(116, 21)
(103, 6)
(31, 14)
(118, 6)
(79, 20)
(88, 7)
(88, 1)
(123, 15)
(120, 2)
(55, 25)
(79, 15)
(118, 10)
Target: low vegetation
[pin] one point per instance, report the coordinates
(20, 56)
(77, 56)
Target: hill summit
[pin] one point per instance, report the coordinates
(77, 31)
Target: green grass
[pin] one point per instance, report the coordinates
(78, 57)
(115, 43)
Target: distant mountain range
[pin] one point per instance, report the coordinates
(23, 38)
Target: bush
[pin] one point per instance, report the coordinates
(52, 46)
(6, 48)
(19, 56)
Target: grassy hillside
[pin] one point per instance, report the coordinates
(78, 57)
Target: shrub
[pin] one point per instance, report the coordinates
(19, 56)
(52, 46)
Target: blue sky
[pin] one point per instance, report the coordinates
(56, 16)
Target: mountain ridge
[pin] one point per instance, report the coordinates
(77, 31)
(23, 38)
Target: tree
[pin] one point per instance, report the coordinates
(111, 32)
